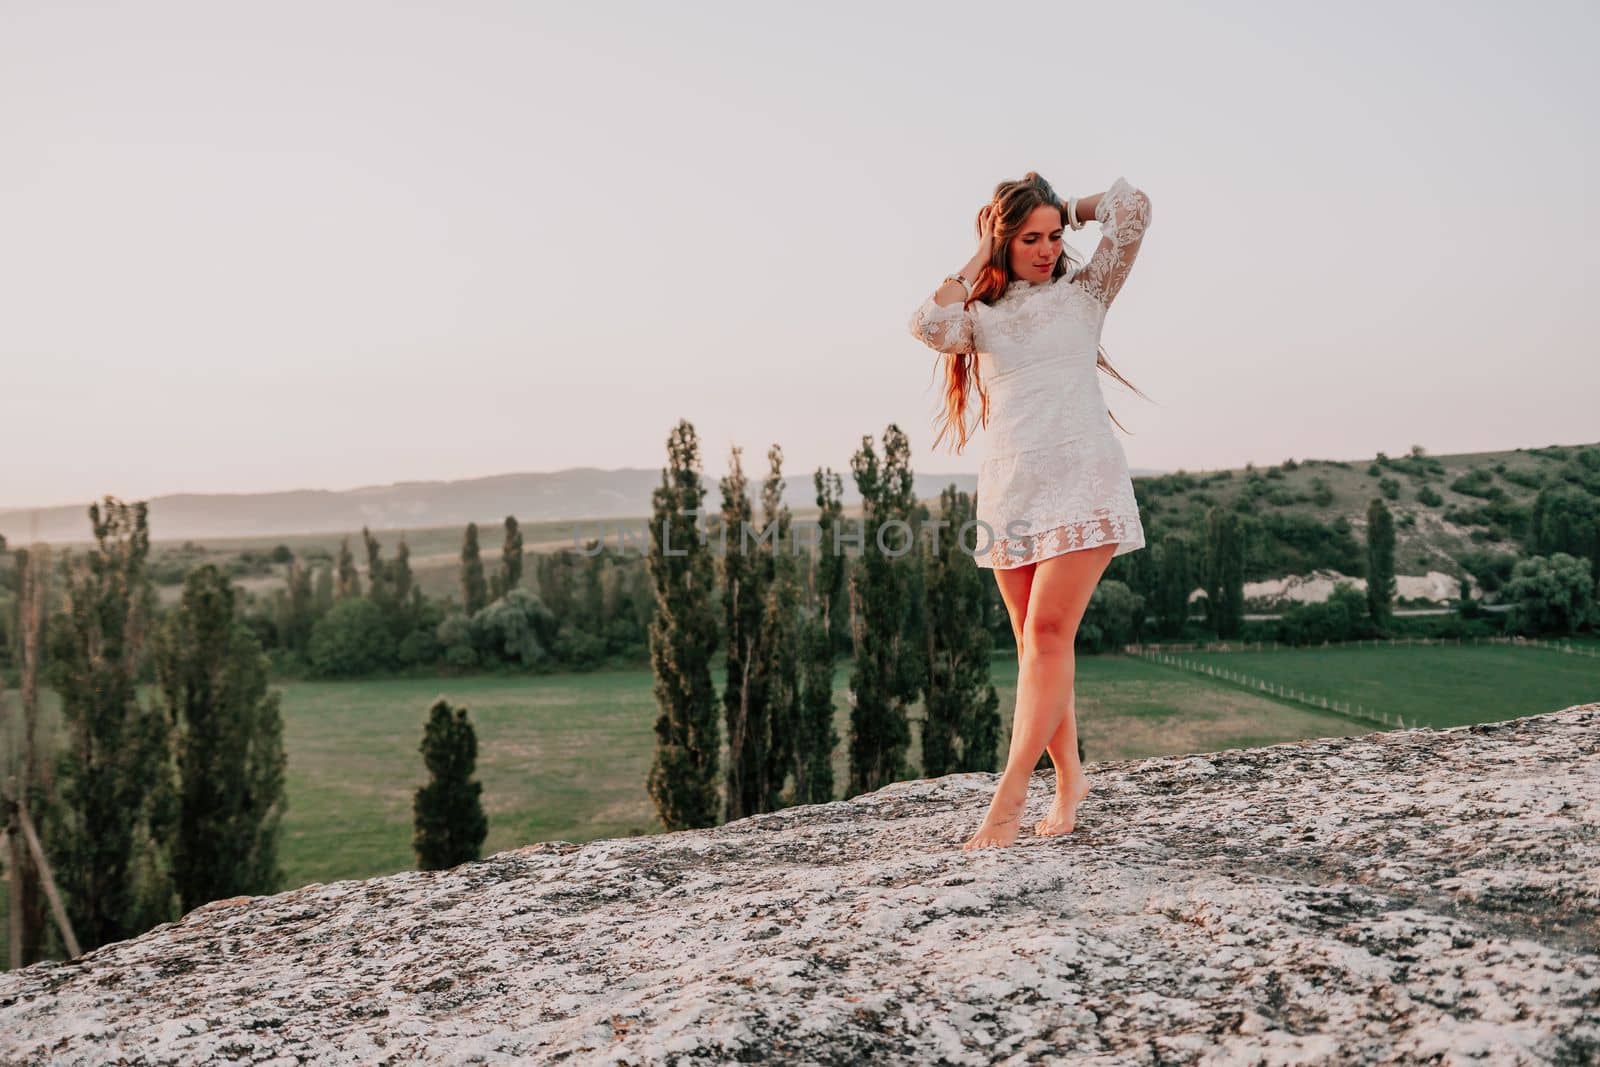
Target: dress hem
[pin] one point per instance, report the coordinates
(1124, 531)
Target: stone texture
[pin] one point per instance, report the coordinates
(1415, 896)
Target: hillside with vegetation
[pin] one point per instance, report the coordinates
(1471, 513)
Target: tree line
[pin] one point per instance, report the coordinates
(135, 810)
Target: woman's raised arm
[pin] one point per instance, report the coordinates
(1124, 214)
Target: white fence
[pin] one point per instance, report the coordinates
(1358, 712)
(1274, 646)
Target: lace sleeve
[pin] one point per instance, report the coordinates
(944, 329)
(1123, 214)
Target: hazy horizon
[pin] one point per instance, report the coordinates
(313, 247)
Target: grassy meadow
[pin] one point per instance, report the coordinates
(1439, 685)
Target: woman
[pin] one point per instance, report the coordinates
(1055, 502)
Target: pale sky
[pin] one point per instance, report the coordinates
(255, 247)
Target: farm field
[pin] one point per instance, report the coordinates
(1437, 685)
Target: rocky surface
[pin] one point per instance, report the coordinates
(1416, 896)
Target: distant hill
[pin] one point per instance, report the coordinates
(533, 497)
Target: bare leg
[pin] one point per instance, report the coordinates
(1060, 591)
(1041, 696)
(1072, 784)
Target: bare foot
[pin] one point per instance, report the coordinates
(1064, 812)
(1000, 826)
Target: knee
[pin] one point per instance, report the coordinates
(1050, 634)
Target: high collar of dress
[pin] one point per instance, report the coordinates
(1022, 286)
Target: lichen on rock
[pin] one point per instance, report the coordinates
(1408, 896)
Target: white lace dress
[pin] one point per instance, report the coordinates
(1053, 478)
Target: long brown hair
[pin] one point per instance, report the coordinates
(1011, 204)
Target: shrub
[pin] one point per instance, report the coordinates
(1108, 620)
(1342, 617)
(514, 629)
(351, 639)
(1553, 594)
(1475, 482)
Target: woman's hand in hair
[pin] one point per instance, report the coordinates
(986, 222)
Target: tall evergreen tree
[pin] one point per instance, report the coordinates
(1172, 605)
(401, 580)
(322, 599)
(554, 573)
(779, 668)
(212, 675)
(592, 612)
(1380, 563)
(380, 589)
(118, 798)
(683, 637)
(347, 581)
(1144, 578)
(31, 787)
(509, 576)
(744, 698)
(815, 734)
(296, 609)
(962, 728)
(1225, 551)
(474, 590)
(888, 653)
(449, 822)
(832, 564)
(1466, 606)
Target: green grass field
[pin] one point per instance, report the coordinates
(1436, 685)
(566, 756)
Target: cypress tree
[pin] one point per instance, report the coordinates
(683, 637)
(296, 606)
(474, 592)
(832, 564)
(401, 580)
(554, 572)
(592, 612)
(1141, 571)
(509, 576)
(212, 674)
(1380, 563)
(379, 588)
(118, 798)
(815, 734)
(962, 728)
(779, 668)
(744, 700)
(449, 823)
(888, 654)
(1172, 605)
(322, 599)
(27, 898)
(1466, 606)
(1225, 590)
(347, 583)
